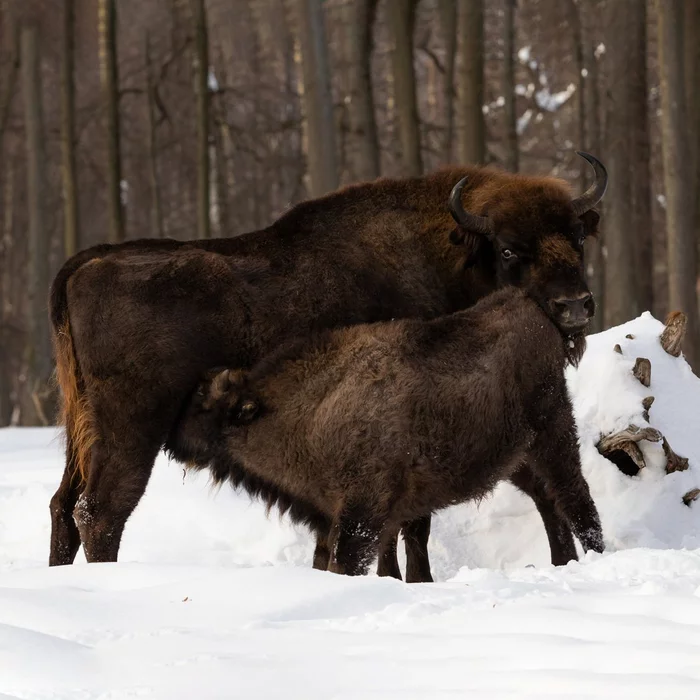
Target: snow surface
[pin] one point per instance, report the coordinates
(211, 599)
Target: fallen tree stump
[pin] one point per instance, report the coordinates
(642, 370)
(691, 496)
(646, 405)
(674, 462)
(674, 332)
(622, 449)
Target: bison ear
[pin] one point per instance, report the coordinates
(457, 236)
(590, 221)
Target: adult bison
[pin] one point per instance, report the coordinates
(135, 325)
(380, 424)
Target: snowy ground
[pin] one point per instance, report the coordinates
(213, 600)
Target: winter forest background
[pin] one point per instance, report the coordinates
(190, 118)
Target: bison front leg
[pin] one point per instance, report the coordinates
(556, 460)
(561, 540)
(322, 552)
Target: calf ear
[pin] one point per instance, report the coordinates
(245, 411)
(590, 221)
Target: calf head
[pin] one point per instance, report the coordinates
(529, 232)
(220, 401)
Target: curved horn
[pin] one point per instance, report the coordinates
(470, 222)
(595, 192)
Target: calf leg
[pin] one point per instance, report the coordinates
(555, 459)
(65, 539)
(561, 541)
(356, 541)
(322, 552)
(388, 564)
(416, 534)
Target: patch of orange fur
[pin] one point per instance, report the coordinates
(76, 413)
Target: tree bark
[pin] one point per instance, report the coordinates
(156, 205)
(620, 240)
(588, 136)
(402, 20)
(361, 19)
(38, 350)
(71, 227)
(512, 162)
(109, 74)
(691, 45)
(8, 94)
(682, 246)
(471, 93)
(318, 100)
(640, 153)
(448, 17)
(201, 65)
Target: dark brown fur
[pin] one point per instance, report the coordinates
(136, 328)
(378, 425)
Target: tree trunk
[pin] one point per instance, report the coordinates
(640, 153)
(36, 409)
(512, 161)
(448, 17)
(6, 240)
(620, 240)
(71, 228)
(592, 142)
(471, 93)
(318, 100)
(8, 94)
(156, 205)
(402, 19)
(588, 137)
(691, 44)
(682, 246)
(201, 65)
(109, 74)
(361, 19)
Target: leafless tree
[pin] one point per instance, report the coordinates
(361, 18)
(35, 407)
(402, 18)
(471, 83)
(201, 65)
(621, 302)
(512, 162)
(675, 139)
(322, 158)
(71, 232)
(109, 72)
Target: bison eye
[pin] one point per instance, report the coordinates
(508, 254)
(581, 241)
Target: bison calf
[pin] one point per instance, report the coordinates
(376, 425)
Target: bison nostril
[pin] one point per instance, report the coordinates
(560, 307)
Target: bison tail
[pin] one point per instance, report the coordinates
(75, 411)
